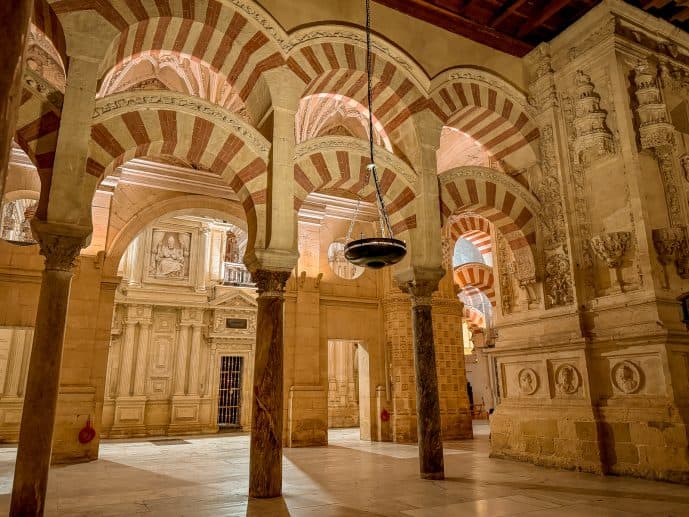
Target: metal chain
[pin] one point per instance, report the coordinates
(385, 228)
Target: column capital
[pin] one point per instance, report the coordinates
(270, 284)
(420, 283)
(60, 243)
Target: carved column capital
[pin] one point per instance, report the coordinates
(421, 291)
(60, 244)
(270, 284)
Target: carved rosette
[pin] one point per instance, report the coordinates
(611, 247)
(270, 284)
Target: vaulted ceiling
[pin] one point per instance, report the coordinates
(517, 26)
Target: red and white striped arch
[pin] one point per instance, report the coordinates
(474, 318)
(129, 125)
(489, 110)
(510, 207)
(478, 276)
(45, 20)
(237, 40)
(38, 124)
(340, 164)
(475, 229)
(332, 59)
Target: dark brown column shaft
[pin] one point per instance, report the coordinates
(40, 400)
(15, 16)
(265, 467)
(431, 463)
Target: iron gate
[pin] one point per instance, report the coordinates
(230, 391)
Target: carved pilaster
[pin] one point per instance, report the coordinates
(593, 137)
(656, 133)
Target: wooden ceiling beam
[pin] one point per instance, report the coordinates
(553, 7)
(453, 22)
(507, 10)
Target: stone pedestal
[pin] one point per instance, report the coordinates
(307, 417)
(60, 245)
(129, 417)
(265, 469)
(185, 415)
(427, 398)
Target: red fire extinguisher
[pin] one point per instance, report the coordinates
(88, 433)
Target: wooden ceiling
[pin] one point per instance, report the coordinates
(517, 26)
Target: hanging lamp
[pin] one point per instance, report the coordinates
(385, 250)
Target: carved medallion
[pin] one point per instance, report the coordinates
(528, 381)
(626, 377)
(567, 379)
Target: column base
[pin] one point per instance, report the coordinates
(307, 424)
(10, 418)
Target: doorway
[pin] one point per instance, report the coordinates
(230, 391)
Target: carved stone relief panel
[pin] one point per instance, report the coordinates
(626, 377)
(169, 255)
(522, 380)
(566, 379)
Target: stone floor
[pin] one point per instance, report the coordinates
(207, 476)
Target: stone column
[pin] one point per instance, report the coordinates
(265, 470)
(181, 361)
(195, 359)
(126, 358)
(142, 358)
(427, 398)
(60, 245)
(15, 16)
(202, 267)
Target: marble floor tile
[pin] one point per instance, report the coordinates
(208, 476)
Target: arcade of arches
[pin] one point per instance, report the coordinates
(181, 180)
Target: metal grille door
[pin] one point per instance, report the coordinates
(230, 392)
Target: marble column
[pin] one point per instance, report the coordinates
(195, 359)
(427, 398)
(60, 245)
(203, 269)
(265, 468)
(181, 361)
(15, 16)
(126, 359)
(142, 359)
